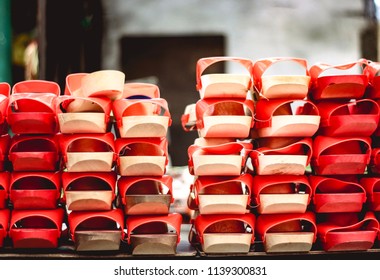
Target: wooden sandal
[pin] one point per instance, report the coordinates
(88, 152)
(345, 85)
(89, 191)
(145, 195)
(290, 158)
(31, 107)
(287, 232)
(36, 228)
(35, 190)
(280, 86)
(348, 118)
(223, 118)
(154, 234)
(335, 195)
(337, 155)
(142, 156)
(221, 234)
(223, 85)
(34, 153)
(286, 118)
(281, 194)
(217, 156)
(97, 230)
(221, 195)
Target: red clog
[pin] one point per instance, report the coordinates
(154, 234)
(345, 85)
(280, 86)
(348, 232)
(34, 153)
(348, 118)
(373, 87)
(88, 152)
(281, 194)
(217, 157)
(83, 114)
(145, 195)
(338, 155)
(97, 230)
(286, 118)
(31, 107)
(36, 228)
(142, 156)
(231, 118)
(35, 190)
(282, 156)
(287, 232)
(224, 233)
(221, 195)
(223, 85)
(89, 191)
(5, 89)
(148, 117)
(331, 195)
(374, 165)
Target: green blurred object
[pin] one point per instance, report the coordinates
(5, 41)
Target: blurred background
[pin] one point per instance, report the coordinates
(159, 41)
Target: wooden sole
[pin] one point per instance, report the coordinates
(283, 203)
(103, 240)
(153, 244)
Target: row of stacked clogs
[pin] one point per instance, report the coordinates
(88, 160)
(221, 189)
(289, 139)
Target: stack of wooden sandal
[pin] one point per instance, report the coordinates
(89, 158)
(342, 152)
(145, 192)
(220, 194)
(34, 181)
(286, 120)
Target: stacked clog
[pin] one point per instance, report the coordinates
(145, 192)
(220, 193)
(89, 158)
(342, 152)
(286, 121)
(35, 179)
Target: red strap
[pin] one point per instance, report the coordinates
(19, 138)
(204, 63)
(141, 89)
(266, 222)
(64, 100)
(5, 141)
(173, 219)
(371, 70)
(126, 182)
(37, 87)
(260, 182)
(74, 83)
(5, 89)
(122, 143)
(54, 177)
(317, 69)
(369, 184)
(333, 185)
(4, 182)
(202, 222)
(262, 65)
(75, 218)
